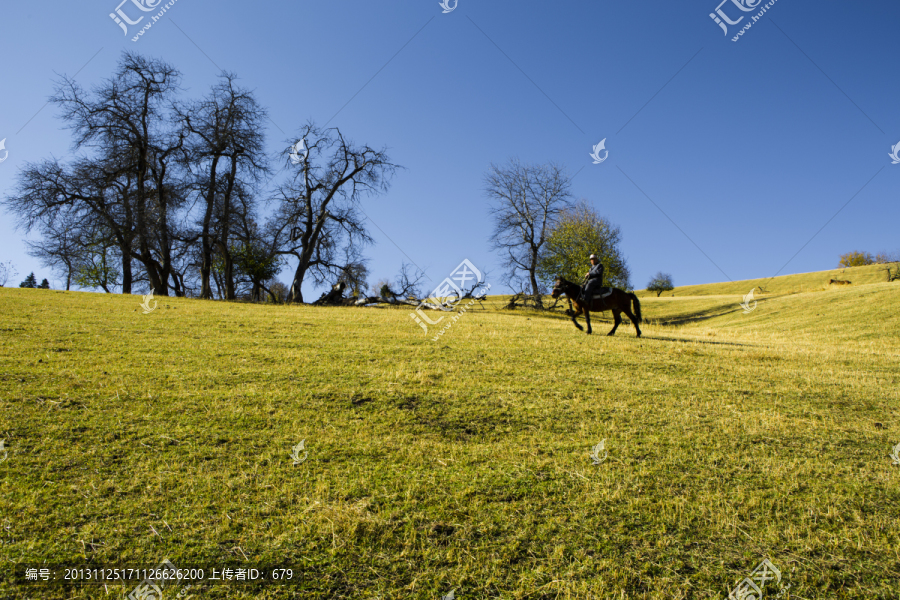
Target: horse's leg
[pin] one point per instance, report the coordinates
(587, 318)
(617, 316)
(633, 320)
(575, 314)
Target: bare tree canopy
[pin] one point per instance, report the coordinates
(127, 120)
(525, 202)
(166, 191)
(7, 271)
(318, 219)
(224, 140)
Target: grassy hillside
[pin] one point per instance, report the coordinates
(787, 284)
(458, 465)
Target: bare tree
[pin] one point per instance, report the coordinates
(318, 219)
(152, 155)
(7, 271)
(126, 118)
(58, 249)
(67, 204)
(405, 289)
(526, 201)
(354, 274)
(224, 143)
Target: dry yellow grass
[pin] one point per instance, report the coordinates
(459, 465)
(787, 284)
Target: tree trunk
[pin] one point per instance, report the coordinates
(179, 293)
(206, 245)
(296, 293)
(229, 277)
(226, 225)
(165, 244)
(205, 267)
(126, 271)
(157, 284)
(271, 295)
(535, 291)
(219, 286)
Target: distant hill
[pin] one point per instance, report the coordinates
(785, 284)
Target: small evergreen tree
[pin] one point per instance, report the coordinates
(30, 282)
(45, 285)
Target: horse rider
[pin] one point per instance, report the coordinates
(594, 278)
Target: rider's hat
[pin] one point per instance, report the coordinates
(593, 256)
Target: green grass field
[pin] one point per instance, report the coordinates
(461, 464)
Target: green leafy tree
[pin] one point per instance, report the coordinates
(856, 259)
(45, 285)
(95, 267)
(579, 233)
(661, 282)
(30, 282)
(257, 264)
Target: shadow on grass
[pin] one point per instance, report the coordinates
(699, 316)
(695, 341)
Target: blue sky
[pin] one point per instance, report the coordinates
(725, 158)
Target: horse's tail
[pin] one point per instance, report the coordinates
(637, 307)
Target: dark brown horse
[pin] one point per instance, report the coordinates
(618, 302)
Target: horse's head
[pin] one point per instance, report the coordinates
(558, 288)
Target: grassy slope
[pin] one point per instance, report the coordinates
(461, 464)
(786, 284)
